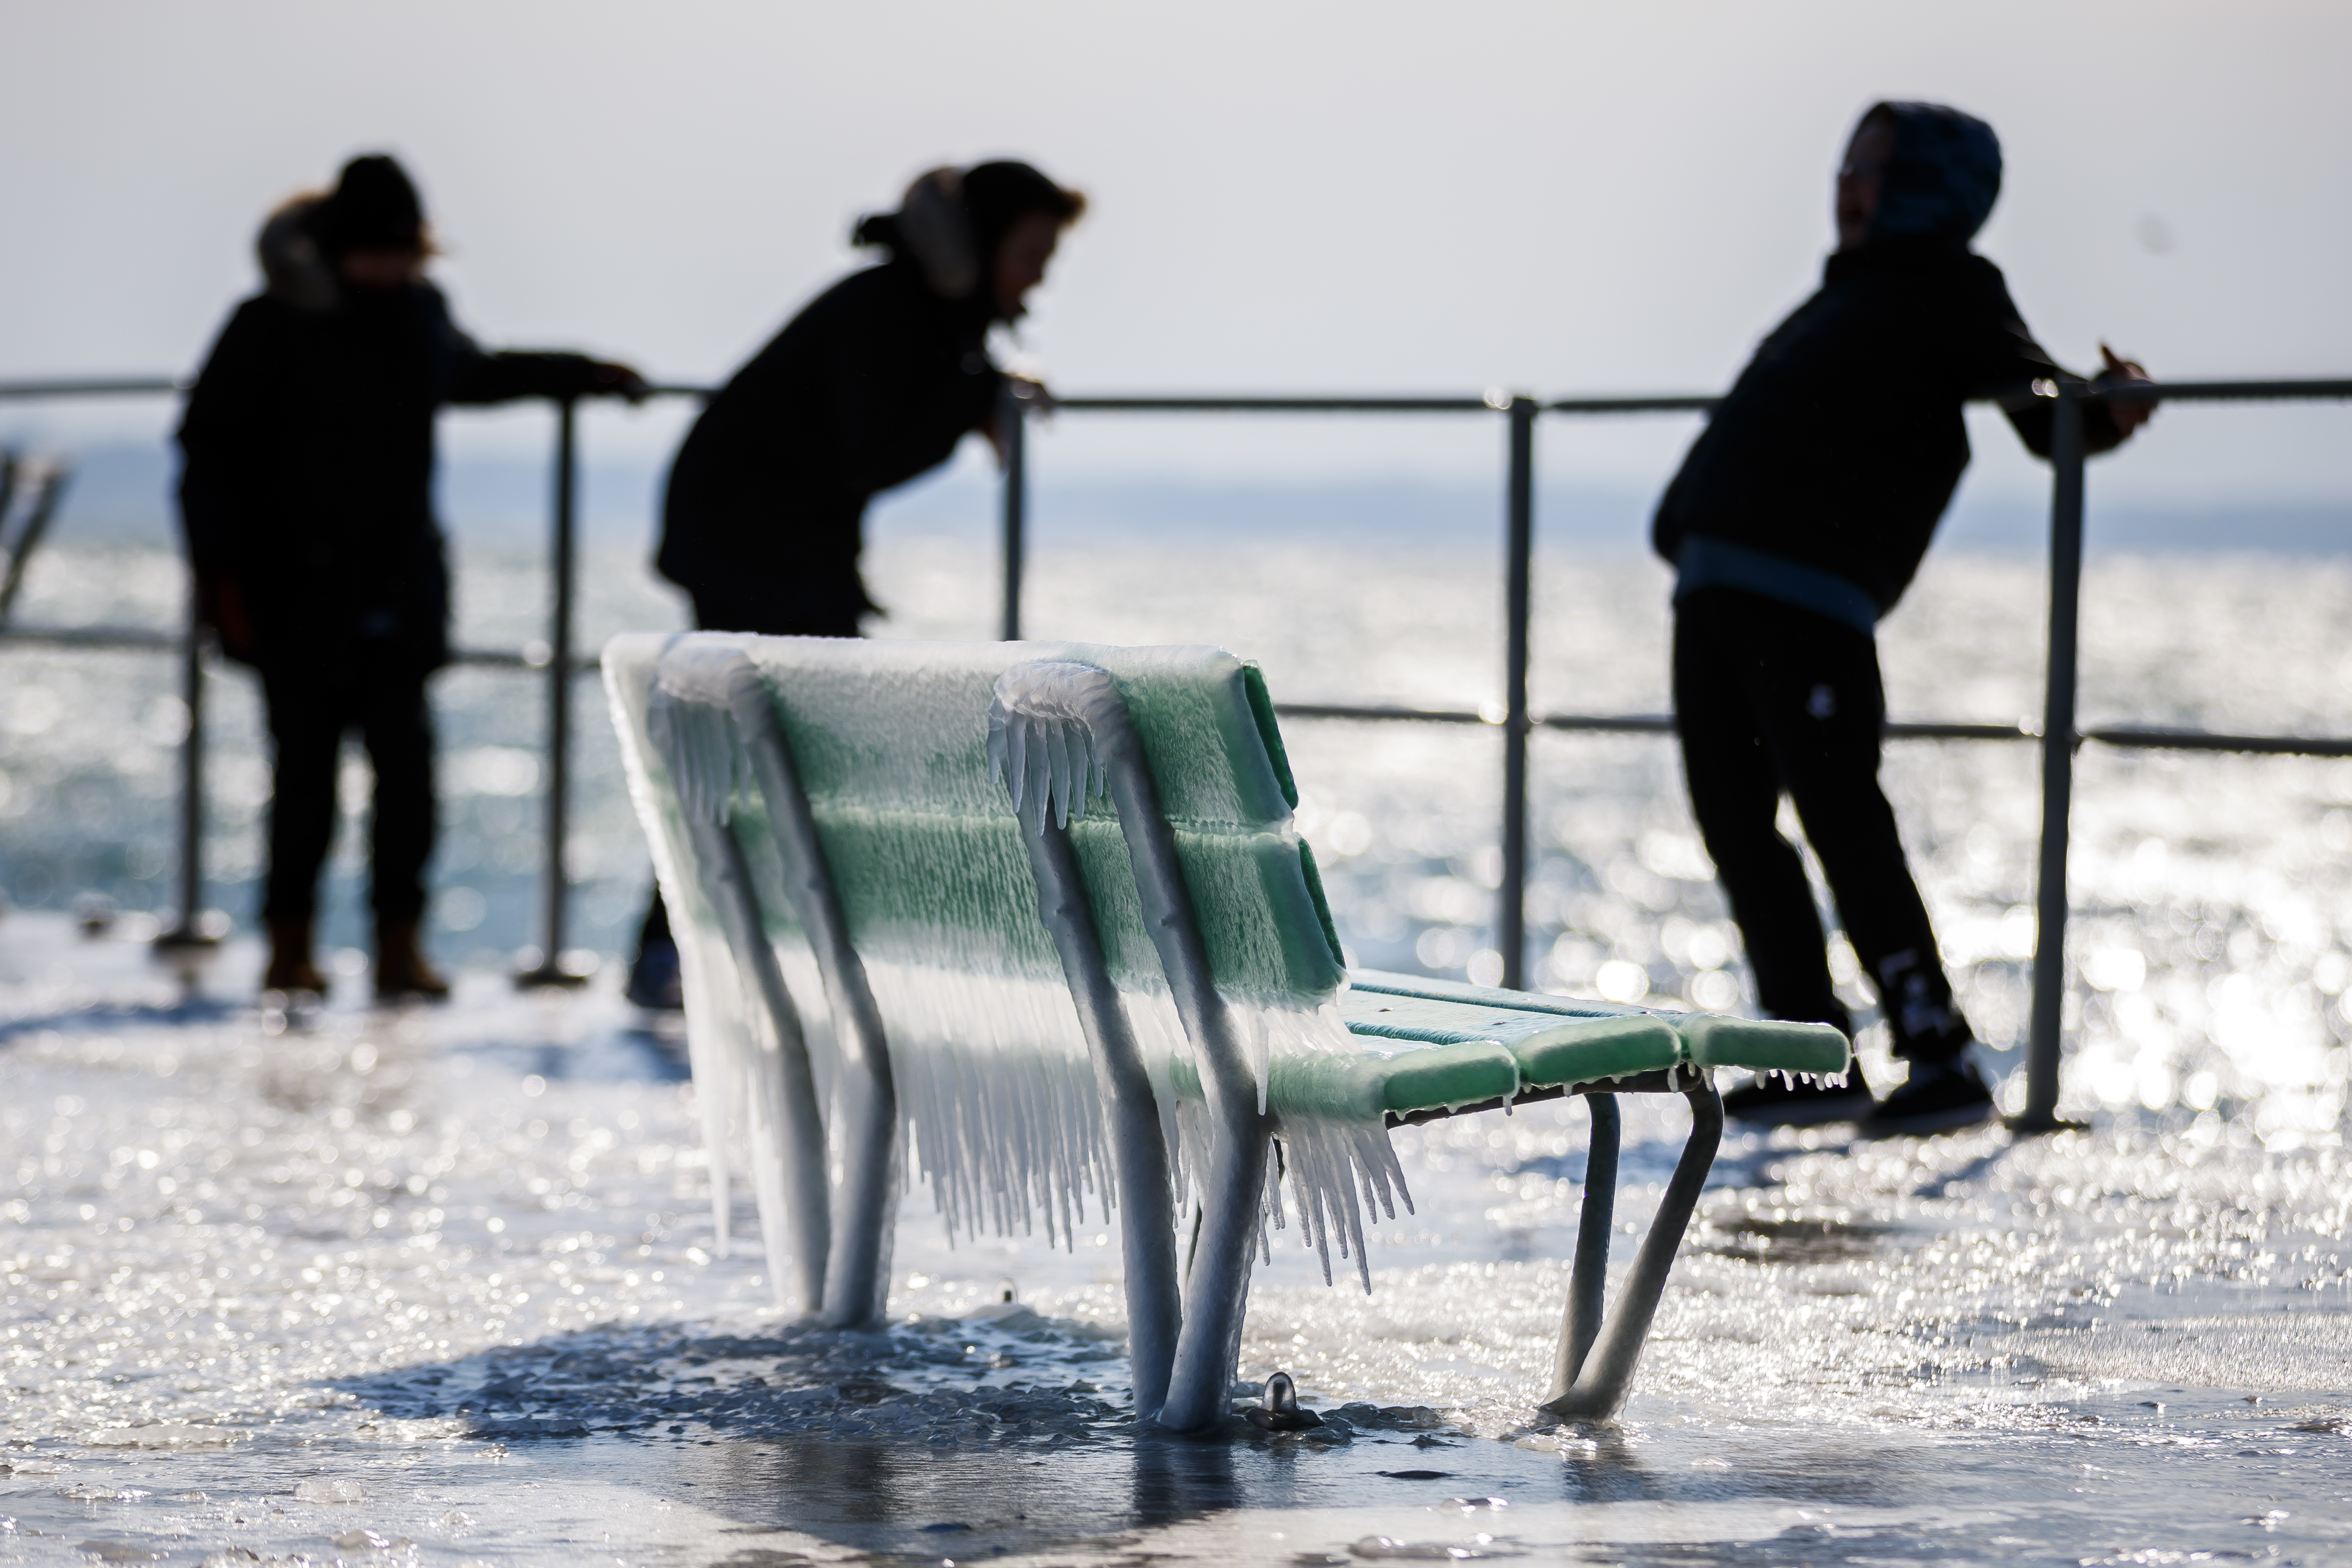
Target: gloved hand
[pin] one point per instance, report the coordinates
(2128, 415)
(220, 605)
(607, 379)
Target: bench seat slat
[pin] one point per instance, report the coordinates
(1549, 1050)
(1570, 1040)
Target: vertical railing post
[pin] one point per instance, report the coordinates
(188, 929)
(1012, 419)
(556, 887)
(2043, 1040)
(1521, 508)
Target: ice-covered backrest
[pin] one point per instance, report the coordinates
(890, 743)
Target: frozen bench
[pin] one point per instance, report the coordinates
(1044, 906)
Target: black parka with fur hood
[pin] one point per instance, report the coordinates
(306, 489)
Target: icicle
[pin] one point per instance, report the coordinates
(1041, 748)
(1003, 1115)
(688, 720)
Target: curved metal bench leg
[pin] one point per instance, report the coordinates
(1590, 1276)
(1216, 1291)
(783, 1087)
(1147, 1202)
(865, 1120)
(1606, 1372)
(1037, 709)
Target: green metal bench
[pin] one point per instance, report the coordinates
(1042, 907)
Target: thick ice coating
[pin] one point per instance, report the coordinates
(907, 785)
(1041, 738)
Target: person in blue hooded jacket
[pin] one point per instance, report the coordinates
(1798, 519)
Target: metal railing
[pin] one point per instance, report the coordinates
(2057, 736)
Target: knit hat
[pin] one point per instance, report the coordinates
(1942, 175)
(375, 207)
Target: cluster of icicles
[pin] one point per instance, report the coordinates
(1000, 1104)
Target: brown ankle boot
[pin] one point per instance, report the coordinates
(400, 969)
(291, 968)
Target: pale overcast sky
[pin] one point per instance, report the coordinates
(1369, 197)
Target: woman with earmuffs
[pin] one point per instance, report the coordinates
(876, 381)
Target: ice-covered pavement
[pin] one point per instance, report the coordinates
(437, 1286)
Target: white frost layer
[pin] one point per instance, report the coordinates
(733, 1041)
(711, 1027)
(997, 1090)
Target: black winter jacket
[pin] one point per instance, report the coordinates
(1841, 442)
(307, 476)
(874, 382)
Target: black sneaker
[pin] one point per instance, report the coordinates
(1940, 1097)
(655, 983)
(1774, 1101)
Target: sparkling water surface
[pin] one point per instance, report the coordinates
(439, 1284)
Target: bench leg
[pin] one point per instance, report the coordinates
(1604, 1375)
(866, 1104)
(1147, 1202)
(1233, 1188)
(1588, 1277)
(1216, 1291)
(783, 1089)
(1053, 728)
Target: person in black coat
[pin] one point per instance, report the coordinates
(1797, 520)
(876, 380)
(305, 500)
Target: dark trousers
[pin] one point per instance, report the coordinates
(718, 610)
(310, 711)
(1772, 699)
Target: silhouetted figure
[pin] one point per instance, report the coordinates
(306, 494)
(1797, 520)
(876, 381)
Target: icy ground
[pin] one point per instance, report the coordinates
(392, 1258)
(436, 1286)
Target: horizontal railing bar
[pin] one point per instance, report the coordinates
(1666, 402)
(111, 637)
(1301, 405)
(2201, 741)
(1351, 711)
(1608, 723)
(138, 639)
(94, 387)
(2224, 391)
(2130, 736)
(1659, 403)
(1936, 729)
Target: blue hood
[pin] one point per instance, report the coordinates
(1943, 177)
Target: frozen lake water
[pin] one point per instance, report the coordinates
(440, 1284)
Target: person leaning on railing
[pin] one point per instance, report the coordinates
(876, 380)
(306, 499)
(1797, 520)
